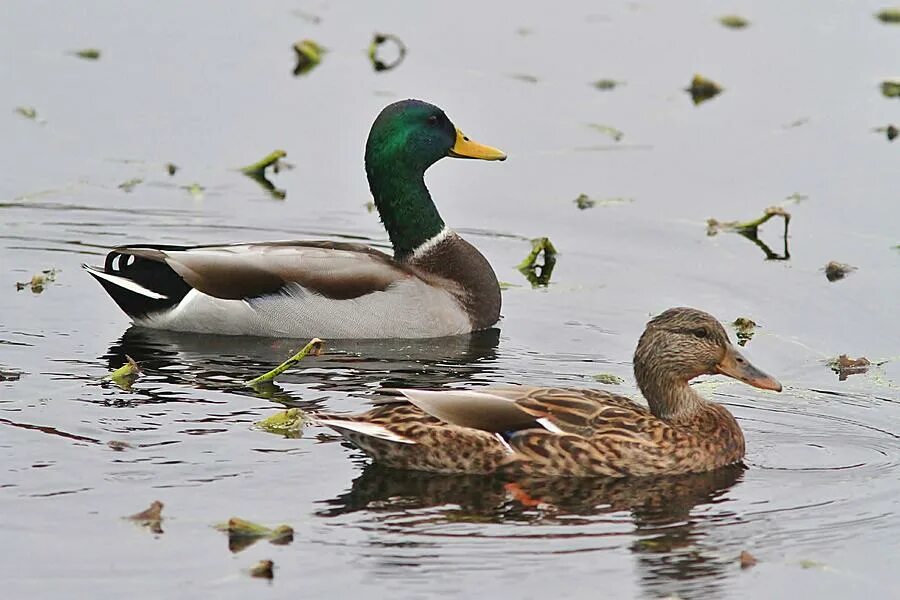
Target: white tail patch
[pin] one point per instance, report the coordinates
(124, 283)
(369, 429)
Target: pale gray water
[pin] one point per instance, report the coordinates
(209, 87)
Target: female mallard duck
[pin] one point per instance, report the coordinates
(574, 432)
(436, 284)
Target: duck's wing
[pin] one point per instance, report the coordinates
(143, 278)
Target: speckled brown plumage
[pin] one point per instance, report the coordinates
(529, 431)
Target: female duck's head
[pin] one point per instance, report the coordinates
(408, 137)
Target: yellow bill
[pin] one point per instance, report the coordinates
(466, 148)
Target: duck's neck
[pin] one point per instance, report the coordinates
(670, 399)
(406, 208)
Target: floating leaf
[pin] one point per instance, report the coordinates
(615, 134)
(314, 347)
(606, 85)
(747, 560)
(608, 379)
(126, 375)
(744, 328)
(796, 198)
(243, 533)
(845, 366)
(309, 55)
(38, 281)
(286, 422)
(812, 564)
(713, 226)
(538, 275)
(263, 569)
(703, 89)
(524, 77)
(891, 132)
(890, 89)
(87, 53)
(29, 112)
(150, 517)
(118, 445)
(260, 166)
(835, 270)
(734, 21)
(129, 185)
(195, 190)
(376, 47)
(505, 285)
(888, 15)
(370, 206)
(171, 168)
(583, 202)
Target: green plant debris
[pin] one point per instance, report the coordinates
(608, 379)
(888, 15)
(524, 77)
(119, 445)
(714, 226)
(309, 55)
(606, 85)
(38, 281)
(812, 564)
(314, 347)
(505, 285)
(703, 89)
(260, 166)
(744, 329)
(263, 569)
(307, 16)
(195, 190)
(538, 274)
(796, 198)
(584, 202)
(128, 186)
(150, 517)
(376, 49)
(87, 53)
(734, 21)
(126, 375)
(288, 423)
(890, 131)
(171, 169)
(243, 533)
(890, 89)
(835, 271)
(845, 366)
(370, 206)
(615, 134)
(747, 560)
(30, 113)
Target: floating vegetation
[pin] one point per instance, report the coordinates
(119, 445)
(38, 281)
(195, 190)
(890, 131)
(263, 569)
(750, 230)
(288, 423)
(608, 379)
(888, 15)
(744, 329)
(703, 89)
(126, 375)
(376, 48)
(747, 560)
(606, 85)
(615, 134)
(835, 271)
(257, 172)
(796, 123)
(150, 517)
(10, 374)
(583, 201)
(243, 533)
(30, 113)
(307, 16)
(314, 347)
(845, 366)
(87, 53)
(309, 55)
(795, 198)
(812, 564)
(524, 77)
(734, 21)
(171, 169)
(370, 206)
(128, 186)
(505, 285)
(538, 274)
(890, 89)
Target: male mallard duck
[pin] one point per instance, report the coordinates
(436, 284)
(574, 432)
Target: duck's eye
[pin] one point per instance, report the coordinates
(700, 333)
(432, 120)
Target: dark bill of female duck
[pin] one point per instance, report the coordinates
(436, 284)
